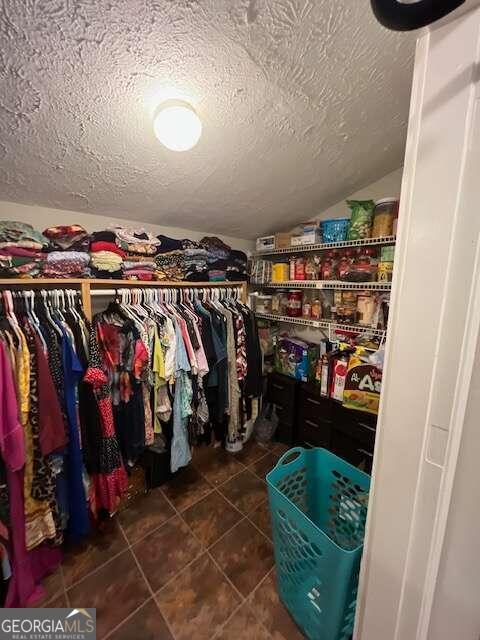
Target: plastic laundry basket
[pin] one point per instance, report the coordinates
(318, 505)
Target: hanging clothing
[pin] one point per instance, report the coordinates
(110, 482)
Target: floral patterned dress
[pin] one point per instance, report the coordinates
(110, 484)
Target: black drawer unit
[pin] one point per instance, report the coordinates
(282, 392)
(308, 419)
(314, 417)
(356, 424)
(352, 451)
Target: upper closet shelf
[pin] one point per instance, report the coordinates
(116, 284)
(329, 284)
(330, 245)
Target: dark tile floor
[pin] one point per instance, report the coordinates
(193, 559)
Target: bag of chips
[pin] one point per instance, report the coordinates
(360, 226)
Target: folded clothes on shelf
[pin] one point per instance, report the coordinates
(67, 264)
(104, 236)
(106, 261)
(170, 266)
(71, 237)
(136, 264)
(21, 234)
(103, 245)
(106, 275)
(139, 274)
(167, 244)
(216, 275)
(137, 241)
(21, 250)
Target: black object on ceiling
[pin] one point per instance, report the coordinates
(407, 17)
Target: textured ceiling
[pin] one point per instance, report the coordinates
(302, 102)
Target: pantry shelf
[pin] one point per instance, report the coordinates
(328, 284)
(330, 245)
(321, 324)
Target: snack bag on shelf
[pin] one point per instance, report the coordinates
(363, 384)
(361, 219)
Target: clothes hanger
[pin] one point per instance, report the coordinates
(30, 305)
(12, 319)
(47, 311)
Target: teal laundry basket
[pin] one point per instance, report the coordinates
(318, 506)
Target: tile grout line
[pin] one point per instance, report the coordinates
(249, 513)
(210, 556)
(176, 512)
(244, 516)
(129, 617)
(93, 571)
(220, 484)
(149, 533)
(206, 550)
(152, 593)
(194, 502)
(246, 602)
(243, 599)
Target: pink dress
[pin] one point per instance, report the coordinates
(22, 589)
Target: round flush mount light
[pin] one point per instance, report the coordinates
(177, 125)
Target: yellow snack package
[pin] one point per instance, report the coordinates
(362, 386)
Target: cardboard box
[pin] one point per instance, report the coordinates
(266, 243)
(313, 237)
(282, 240)
(363, 384)
(296, 358)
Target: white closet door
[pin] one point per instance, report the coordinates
(418, 500)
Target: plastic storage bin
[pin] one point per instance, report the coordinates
(318, 505)
(334, 230)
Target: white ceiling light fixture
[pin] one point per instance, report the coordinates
(177, 125)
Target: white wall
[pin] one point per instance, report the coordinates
(43, 217)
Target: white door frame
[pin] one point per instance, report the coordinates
(433, 330)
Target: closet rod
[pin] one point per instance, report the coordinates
(28, 282)
(87, 286)
(112, 292)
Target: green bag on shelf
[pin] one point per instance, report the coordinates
(360, 226)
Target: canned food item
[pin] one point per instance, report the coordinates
(385, 271)
(387, 253)
(365, 308)
(300, 264)
(349, 297)
(306, 309)
(316, 310)
(295, 298)
(292, 269)
(276, 299)
(264, 304)
(280, 272)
